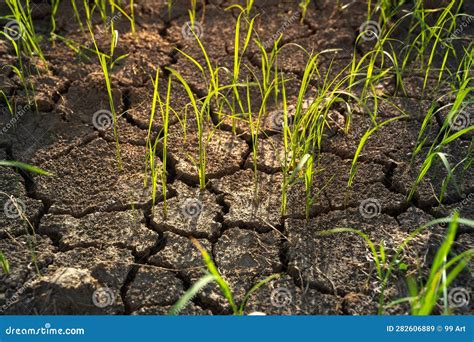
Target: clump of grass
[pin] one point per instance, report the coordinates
(425, 40)
(254, 126)
(29, 41)
(26, 44)
(201, 107)
(304, 4)
(106, 62)
(54, 11)
(387, 9)
(31, 241)
(303, 137)
(443, 272)
(447, 134)
(269, 66)
(423, 299)
(199, 116)
(157, 173)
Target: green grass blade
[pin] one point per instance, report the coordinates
(190, 294)
(4, 263)
(362, 144)
(213, 270)
(255, 288)
(25, 167)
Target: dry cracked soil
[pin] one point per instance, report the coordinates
(91, 241)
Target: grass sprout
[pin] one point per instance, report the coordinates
(424, 300)
(5, 264)
(29, 41)
(158, 174)
(214, 275)
(31, 237)
(106, 62)
(425, 296)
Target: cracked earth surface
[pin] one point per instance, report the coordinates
(96, 227)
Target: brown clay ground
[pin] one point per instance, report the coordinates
(95, 226)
